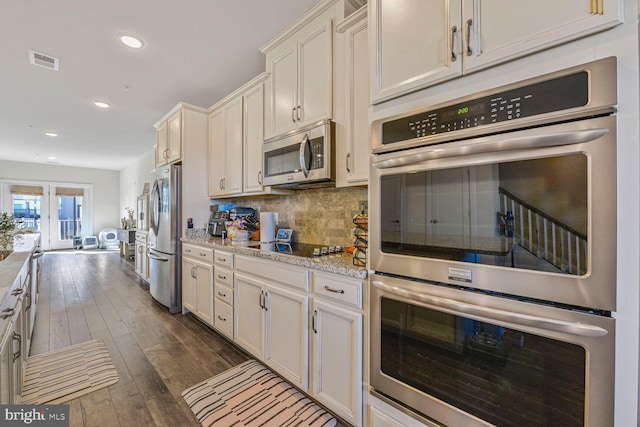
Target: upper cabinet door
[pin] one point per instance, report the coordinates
(282, 87)
(161, 144)
(314, 74)
(503, 30)
(174, 143)
(253, 139)
(216, 152)
(232, 182)
(414, 43)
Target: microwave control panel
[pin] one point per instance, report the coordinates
(557, 94)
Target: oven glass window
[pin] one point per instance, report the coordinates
(529, 214)
(501, 375)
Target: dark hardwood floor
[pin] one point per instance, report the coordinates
(85, 296)
(97, 295)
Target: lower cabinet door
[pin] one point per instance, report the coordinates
(249, 317)
(337, 360)
(204, 292)
(188, 285)
(288, 334)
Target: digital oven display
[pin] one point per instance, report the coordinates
(557, 94)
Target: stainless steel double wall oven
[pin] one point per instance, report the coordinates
(493, 240)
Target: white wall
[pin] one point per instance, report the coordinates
(105, 186)
(132, 180)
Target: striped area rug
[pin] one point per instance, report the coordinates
(62, 375)
(250, 395)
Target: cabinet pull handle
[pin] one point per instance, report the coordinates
(221, 277)
(454, 29)
(347, 157)
(469, 23)
(188, 251)
(293, 111)
(222, 259)
(203, 254)
(28, 295)
(260, 177)
(221, 294)
(298, 113)
(313, 321)
(261, 302)
(266, 301)
(6, 313)
(17, 291)
(17, 337)
(337, 291)
(222, 318)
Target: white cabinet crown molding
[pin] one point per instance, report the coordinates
(309, 16)
(260, 78)
(179, 106)
(348, 21)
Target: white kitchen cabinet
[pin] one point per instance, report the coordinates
(142, 255)
(224, 293)
(418, 43)
(337, 356)
(225, 149)
(271, 318)
(169, 139)
(299, 88)
(352, 152)
(197, 281)
(253, 137)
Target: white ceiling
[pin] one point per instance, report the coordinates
(196, 51)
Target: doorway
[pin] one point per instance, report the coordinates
(59, 212)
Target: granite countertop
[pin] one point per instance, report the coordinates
(10, 267)
(338, 264)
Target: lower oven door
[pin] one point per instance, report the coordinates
(472, 359)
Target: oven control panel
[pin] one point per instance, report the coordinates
(556, 94)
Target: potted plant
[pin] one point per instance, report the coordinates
(7, 233)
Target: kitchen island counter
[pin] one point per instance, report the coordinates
(341, 263)
(12, 266)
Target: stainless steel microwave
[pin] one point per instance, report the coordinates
(303, 157)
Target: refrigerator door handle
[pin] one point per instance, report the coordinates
(154, 212)
(158, 258)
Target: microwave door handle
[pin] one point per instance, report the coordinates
(303, 160)
(455, 307)
(493, 144)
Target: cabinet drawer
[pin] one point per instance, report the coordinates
(224, 293)
(336, 288)
(274, 270)
(198, 252)
(224, 318)
(224, 276)
(224, 259)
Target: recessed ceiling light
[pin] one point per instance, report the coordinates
(131, 41)
(51, 134)
(102, 104)
(51, 158)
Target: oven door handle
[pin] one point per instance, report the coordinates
(492, 144)
(456, 307)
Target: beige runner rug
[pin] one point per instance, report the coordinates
(250, 395)
(62, 375)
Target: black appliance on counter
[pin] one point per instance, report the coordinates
(216, 223)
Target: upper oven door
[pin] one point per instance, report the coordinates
(529, 213)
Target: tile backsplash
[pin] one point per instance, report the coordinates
(319, 216)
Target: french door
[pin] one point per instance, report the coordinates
(59, 212)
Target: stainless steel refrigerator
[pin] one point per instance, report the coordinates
(164, 237)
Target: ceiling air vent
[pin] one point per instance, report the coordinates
(42, 60)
